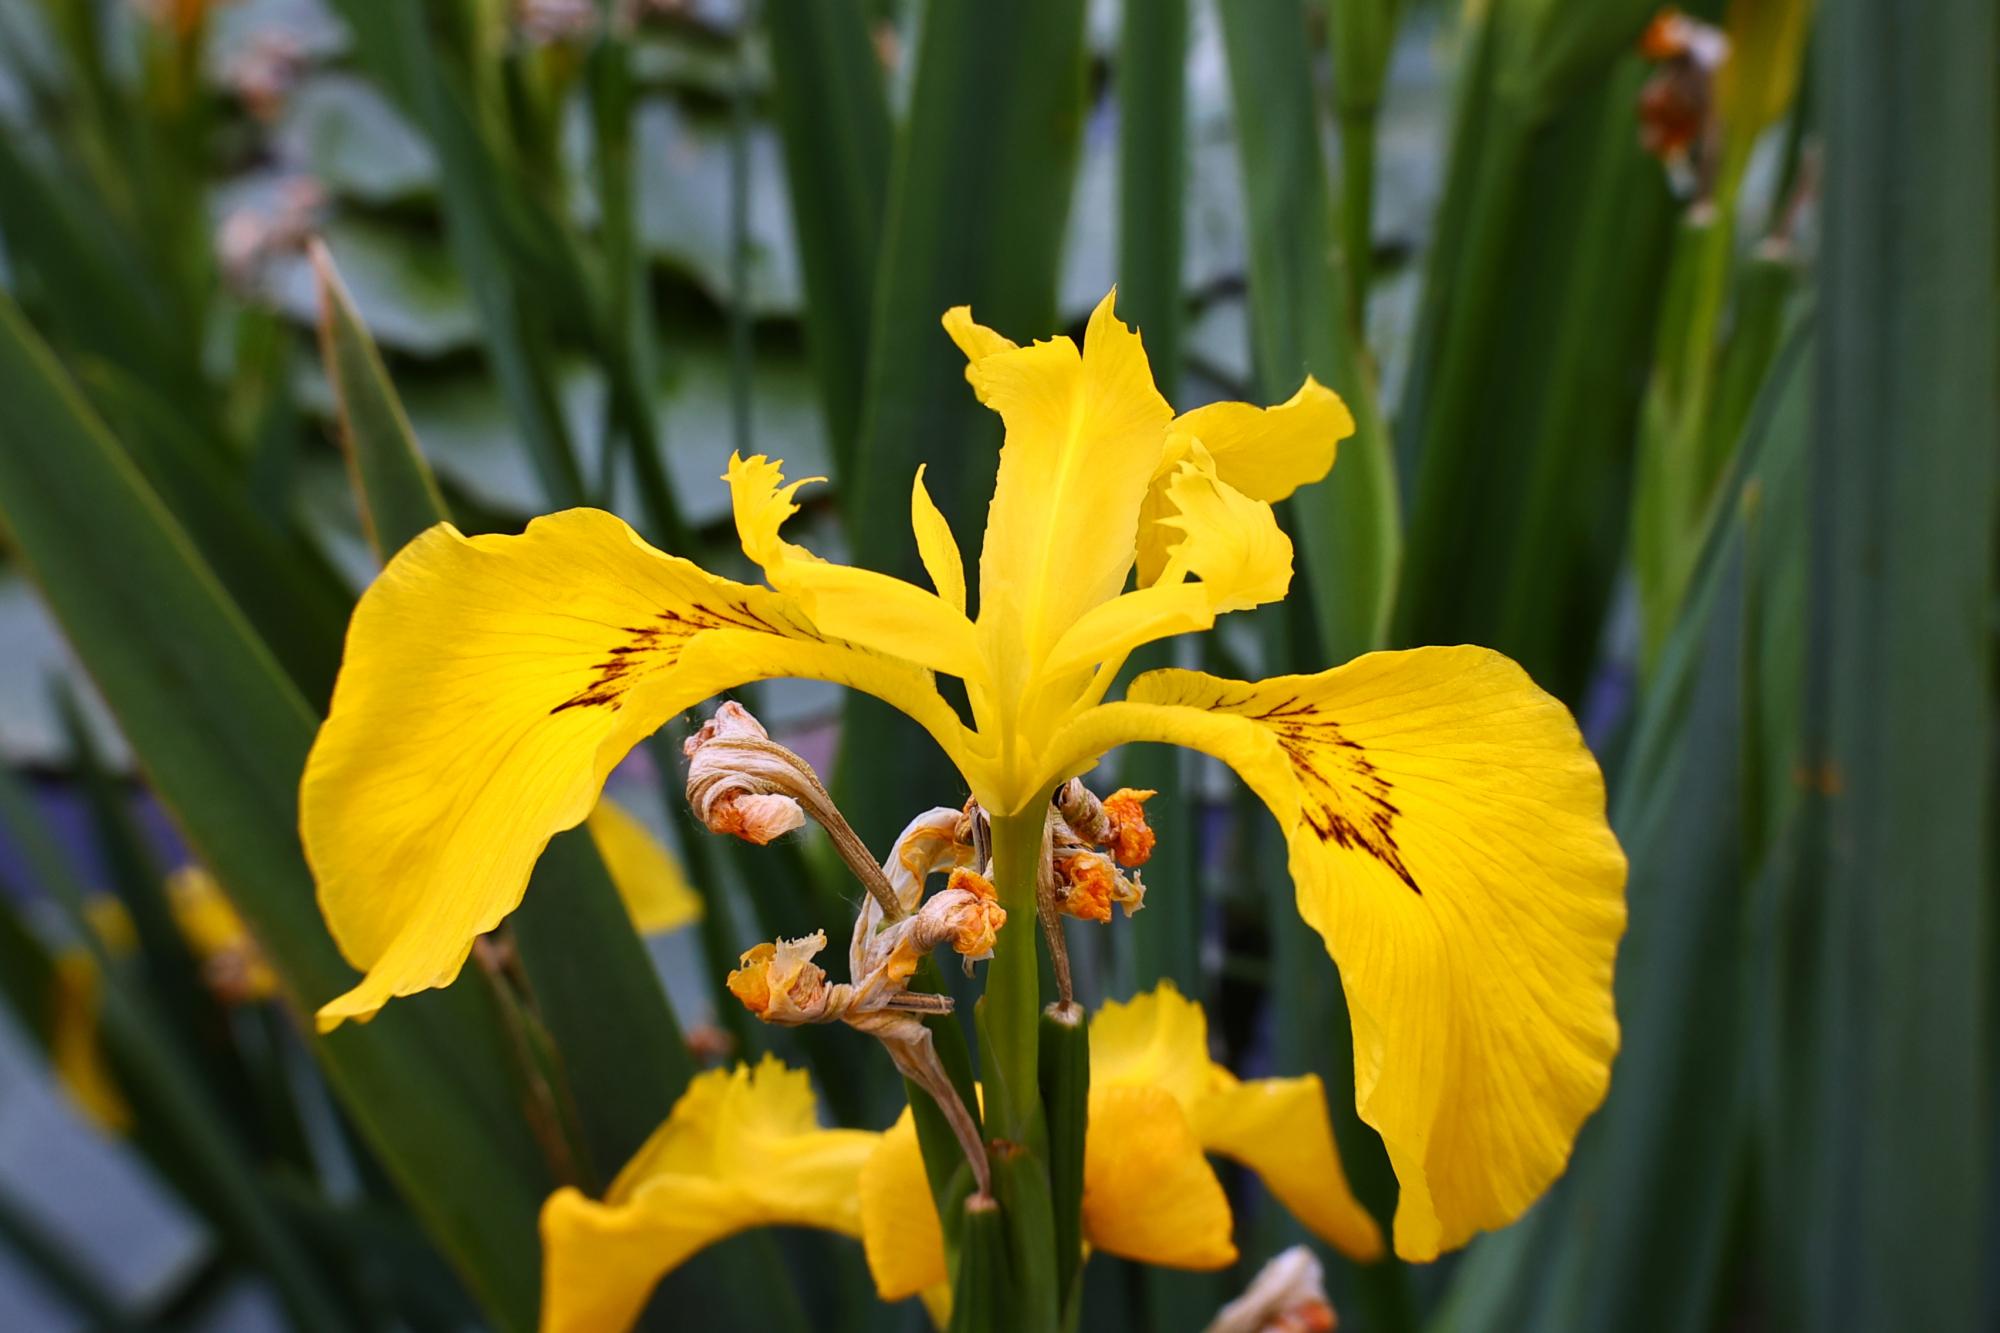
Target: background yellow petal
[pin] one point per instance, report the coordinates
(1269, 452)
(1448, 841)
(742, 1148)
(649, 877)
(600, 1263)
(899, 1220)
(490, 684)
(1158, 1039)
(1084, 435)
(1148, 1193)
(1279, 1128)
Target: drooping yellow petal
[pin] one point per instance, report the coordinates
(1084, 435)
(1148, 1193)
(76, 1044)
(1448, 841)
(1269, 452)
(899, 1220)
(490, 685)
(858, 605)
(649, 877)
(1279, 1128)
(743, 1148)
(936, 546)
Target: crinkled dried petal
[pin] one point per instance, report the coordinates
(780, 983)
(1131, 838)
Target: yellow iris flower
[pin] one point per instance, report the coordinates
(1445, 821)
(1158, 1106)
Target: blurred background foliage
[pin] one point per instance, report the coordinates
(1671, 342)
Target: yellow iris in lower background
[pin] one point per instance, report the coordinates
(745, 1148)
(1158, 1106)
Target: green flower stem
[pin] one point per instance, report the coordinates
(1013, 1004)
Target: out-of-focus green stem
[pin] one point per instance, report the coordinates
(1152, 98)
(1011, 1017)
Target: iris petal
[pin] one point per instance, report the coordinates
(490, 685)
(1448, 840)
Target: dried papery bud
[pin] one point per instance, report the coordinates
(1082, 811)
(969, 911)
(709, 1044)
(755, 818)
(938, 839)
(732, 759)
(1129, 837)
(780, 983)
(1288, 1295)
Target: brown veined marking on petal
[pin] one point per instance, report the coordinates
(658, 646)
(1324, 808)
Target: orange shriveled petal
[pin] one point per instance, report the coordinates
(1132, 838)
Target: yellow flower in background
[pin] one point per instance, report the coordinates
(1158, 1105)
(233, 964)
(1445, 822)
(649, 878)
(76, 1046)
(743, 1148)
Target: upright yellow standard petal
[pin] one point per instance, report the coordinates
(742, 1149)
(490, 685)
(650, 880)
(1085, 431)
(1448, 841)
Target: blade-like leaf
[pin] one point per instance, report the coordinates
(393, 485)
(1348, 524)
(834, 118)
(223, 737)
(1898, 1130)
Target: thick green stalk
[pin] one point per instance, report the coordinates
(1011, 1012)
